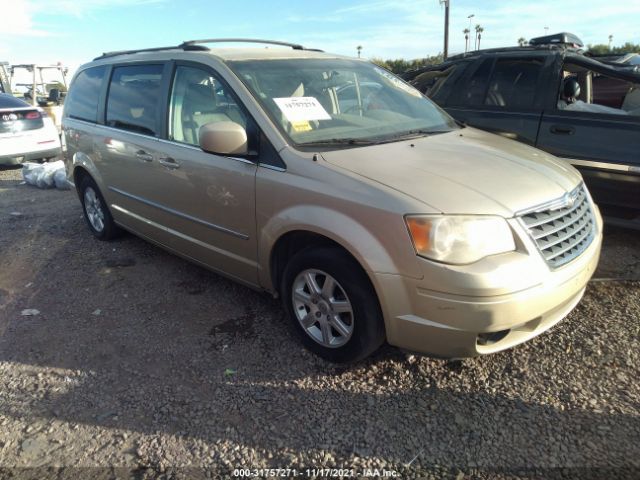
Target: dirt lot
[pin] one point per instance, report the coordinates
(140, 365)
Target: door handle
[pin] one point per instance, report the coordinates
(144, 156)
(169, 163)
(562, 130)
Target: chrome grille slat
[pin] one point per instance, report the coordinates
(581, 223)
(546, 233)
(550, 218)
(562, 234)
(569, 247)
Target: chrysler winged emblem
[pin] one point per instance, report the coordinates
(568, 200)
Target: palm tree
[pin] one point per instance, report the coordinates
(479, 31)
(466, 32)
(359, 49)
(522, 41)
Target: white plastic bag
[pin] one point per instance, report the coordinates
(45, 175)
(60, 179)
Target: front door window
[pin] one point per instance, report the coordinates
(199, 98)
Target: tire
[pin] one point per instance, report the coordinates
(312, 305)
(95, 210)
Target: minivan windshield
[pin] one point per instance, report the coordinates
(339, 102)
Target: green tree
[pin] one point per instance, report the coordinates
(400, 65)
(603, 49)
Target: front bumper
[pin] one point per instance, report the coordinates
(496, 305)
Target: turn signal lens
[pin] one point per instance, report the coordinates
(420, 230)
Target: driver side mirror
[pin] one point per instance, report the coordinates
(225, 138)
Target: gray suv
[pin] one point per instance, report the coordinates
(552, 96)
(333, 184)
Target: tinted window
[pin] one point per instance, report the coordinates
(198, 98)
(513, 83)
(134, 98)
(432, 81)
(471, 91)
(82, 100)
(9, 101)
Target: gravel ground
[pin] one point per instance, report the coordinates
(141, 365)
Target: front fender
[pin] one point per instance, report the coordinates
(356, 238)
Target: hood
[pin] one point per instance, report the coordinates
(466, 171)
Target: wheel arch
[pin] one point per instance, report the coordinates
(82, 165)
(307, 226)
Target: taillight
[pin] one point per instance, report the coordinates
(32, 115)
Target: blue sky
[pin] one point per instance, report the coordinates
(74, 31)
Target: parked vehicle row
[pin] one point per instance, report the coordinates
(551, 96)
(333, 184)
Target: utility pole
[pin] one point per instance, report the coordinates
(446, 27)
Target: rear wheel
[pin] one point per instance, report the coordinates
(332, 305)
(96, 212)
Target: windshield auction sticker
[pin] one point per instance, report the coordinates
(301, 109)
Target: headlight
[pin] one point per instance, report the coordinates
(459, 239)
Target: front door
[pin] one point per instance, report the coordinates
(599, 133)
(207, 201)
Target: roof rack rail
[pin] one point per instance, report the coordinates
(154, 49)
(196, 45)
(526, 48)
(295, 46)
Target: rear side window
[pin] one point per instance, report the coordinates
(513, 83)
(82, 100)
(133, 101)
(431, 82)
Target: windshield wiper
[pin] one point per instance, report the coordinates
(340, 142)
(416, 133)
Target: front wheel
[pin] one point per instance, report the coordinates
(332, 305)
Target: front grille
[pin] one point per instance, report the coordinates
(562, 234)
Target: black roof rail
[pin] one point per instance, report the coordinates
(154, 49)
(295, 46)
(527, 48)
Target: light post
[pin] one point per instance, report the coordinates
(359, 49)
(466, 32)
(610, 40)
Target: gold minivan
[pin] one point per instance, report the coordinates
(331, 183)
